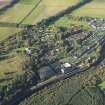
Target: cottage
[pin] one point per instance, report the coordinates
(65, 68)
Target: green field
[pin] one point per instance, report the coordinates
(66, 22)
(96, 8)
(10, 68)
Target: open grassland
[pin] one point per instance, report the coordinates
(67, 22)
(54, 6)
(10, 64)
(96, 8)
(10, 67)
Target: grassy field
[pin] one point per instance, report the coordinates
(66, 22)
(96, 8)
(10, 67)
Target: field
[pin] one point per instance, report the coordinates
(5, 32)
(66, 22)
(96, 8)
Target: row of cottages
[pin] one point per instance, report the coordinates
(95, 22)
(57, 69)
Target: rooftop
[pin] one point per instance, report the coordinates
(66, 65)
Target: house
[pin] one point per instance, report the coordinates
(65, 68)
(45, 73)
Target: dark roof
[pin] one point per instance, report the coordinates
(45, 73)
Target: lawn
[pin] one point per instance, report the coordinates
(96, 8)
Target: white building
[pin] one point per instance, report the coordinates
(65, 68)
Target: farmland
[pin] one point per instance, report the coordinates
(5, 32)
(96, 8)
(10, 67)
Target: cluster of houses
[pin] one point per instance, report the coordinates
(94, 23)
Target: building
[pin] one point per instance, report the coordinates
(65, 68)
